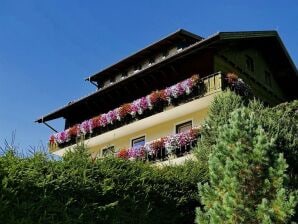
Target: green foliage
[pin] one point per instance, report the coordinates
(247, 176)
(281, 123)
(219, 113)
(77, 189)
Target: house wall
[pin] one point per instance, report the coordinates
(234, 60)
(164, 129)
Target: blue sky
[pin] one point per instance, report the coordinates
(47, 48)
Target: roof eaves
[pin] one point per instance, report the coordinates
(181, 31)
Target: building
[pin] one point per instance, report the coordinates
(126, 111)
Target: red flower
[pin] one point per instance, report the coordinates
(52, 140)
(123, 153)
(154, 97)
(96, 121)
(124, 110)
(163, 95)
(158, 144)
(74, 130)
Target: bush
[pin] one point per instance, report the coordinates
(77, 189)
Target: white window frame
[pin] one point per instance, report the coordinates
(182, 122)
(106, 147)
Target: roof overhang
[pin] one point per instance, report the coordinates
(145, 53)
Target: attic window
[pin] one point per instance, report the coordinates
(151, 61)
(112, 80)
(106, 82)
(250, 64)
(138, 68)
(268, 78)
(181, 46)
(165, 54)
(124, 75)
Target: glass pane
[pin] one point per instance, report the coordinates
(184, 127)
(138, 142)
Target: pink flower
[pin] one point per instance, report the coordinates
(111, 116)
(62, 137)
(136, 153)
(87, 126)
(103, 120)
(143, 103)
(134, 108)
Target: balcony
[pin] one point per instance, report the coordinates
(176, 101)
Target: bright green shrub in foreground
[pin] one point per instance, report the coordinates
(79, 190)
(246, 176)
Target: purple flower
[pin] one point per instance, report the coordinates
(103, 120)
(143, 103)
(135, 152)
(62, 137)
(111, 116)
(87, 126)
(134, 108)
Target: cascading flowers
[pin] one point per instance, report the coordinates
(169, 143)
(129, 109)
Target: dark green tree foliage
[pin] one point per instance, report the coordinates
(246, 176)
(77, 189)
(281, 123)
(219, 113)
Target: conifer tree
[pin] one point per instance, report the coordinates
(247, 177)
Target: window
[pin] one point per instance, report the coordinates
(181, 46)
(112, 80)
(124, 75)
(268, 78)
(137, 68)
(151, 61)
(138, 142)
(250, 63)
(183, 127)
(108, 151)
(106, 82)
(165, 54)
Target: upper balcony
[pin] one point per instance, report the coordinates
(185, 97)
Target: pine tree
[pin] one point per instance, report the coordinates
(219, 113)
(247, 177)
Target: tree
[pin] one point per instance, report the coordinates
(246, 176)
(219, 113)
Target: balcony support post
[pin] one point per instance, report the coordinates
(49, 126)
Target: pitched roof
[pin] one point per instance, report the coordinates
(270, 40)
(144, 53)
